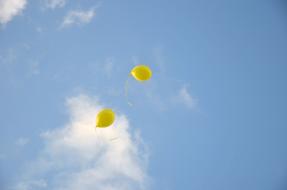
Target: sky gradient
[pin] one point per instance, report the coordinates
(213, 116)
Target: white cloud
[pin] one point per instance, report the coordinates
(78, 17)
(78, 157)
(52, 4)
(22, 141)
(10, 8)
(185, 98)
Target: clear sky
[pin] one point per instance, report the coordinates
(213, 117)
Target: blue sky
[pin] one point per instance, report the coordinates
(213, 117)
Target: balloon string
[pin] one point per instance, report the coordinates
(115, 138)
(98, 133)
(126, 91)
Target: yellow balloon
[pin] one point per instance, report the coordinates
(105, 118)
(141, 72)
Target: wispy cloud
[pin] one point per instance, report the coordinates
(34, 67)
(185, 97)
(77, 156)
(31, 185)
(52, 4)
(22, 141)
(10, 8)
(78, 17)
(8, 57)
(39, 29)
(159, 59)
(109, 66)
